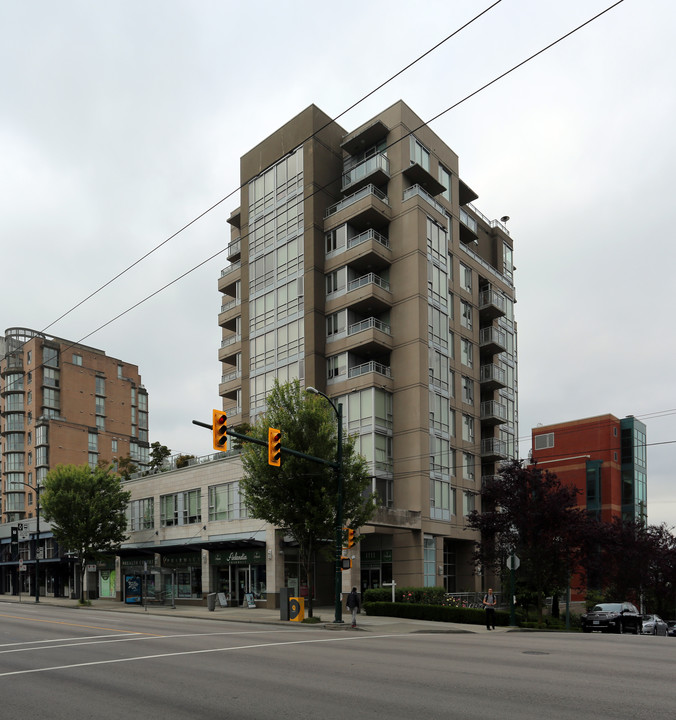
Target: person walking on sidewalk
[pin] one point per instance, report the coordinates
(489, 603)
(354, 605)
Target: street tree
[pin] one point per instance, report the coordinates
(87, 510)
(300, 497)
(528, 511)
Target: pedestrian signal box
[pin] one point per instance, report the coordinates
(297, 609)
(345, 563)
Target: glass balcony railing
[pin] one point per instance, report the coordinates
(494, 447)
(418, 190)
(365, 236)
(491, 409)
(468, 221)
(363, 169)
(235, 302)
(368, 324)
(231, 268)
(493, 373)
(369, 279)
(231, 376)
(231, 340)
(492, 298)
(370, 367)
(493, 336)
(356, 197)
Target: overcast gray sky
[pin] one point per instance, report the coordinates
(121, 122)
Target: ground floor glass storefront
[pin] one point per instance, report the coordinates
(239, 573)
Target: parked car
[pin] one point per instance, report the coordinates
(671, 628)
(654, 625)
(619, 617)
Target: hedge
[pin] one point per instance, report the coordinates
(439, 613)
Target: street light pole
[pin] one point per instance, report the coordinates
(339, 504)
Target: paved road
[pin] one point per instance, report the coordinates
(62, 663)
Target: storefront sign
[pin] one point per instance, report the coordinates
(238, 557)
(181, 560)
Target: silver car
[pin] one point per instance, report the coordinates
(654, 625)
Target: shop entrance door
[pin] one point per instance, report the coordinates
(370, 578)
(243, 584)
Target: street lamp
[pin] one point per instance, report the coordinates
(37, 489)
(339, 502)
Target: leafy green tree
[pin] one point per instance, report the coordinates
(87, 510)
(529, 511)
(158, 454)
(301, 495)
(126, 467)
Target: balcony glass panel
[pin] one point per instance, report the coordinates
(355, 197)
(365, 168)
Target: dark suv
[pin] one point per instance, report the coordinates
(617, 617)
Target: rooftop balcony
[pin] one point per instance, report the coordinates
(492, 377)
(493, 413)
(492, 304)
(366, 137)
(368, 207)
(493, 449)
(492, 340)
(375, 169)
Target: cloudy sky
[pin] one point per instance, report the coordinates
(122, 122)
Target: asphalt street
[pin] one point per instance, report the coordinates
(60, 662)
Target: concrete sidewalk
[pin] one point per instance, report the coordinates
(365, 623)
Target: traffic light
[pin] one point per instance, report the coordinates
(274, 447)
(350, 537)
(345, 563)
(219, 427)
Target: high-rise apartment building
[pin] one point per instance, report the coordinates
(63, 403)
(359, 265)
(602, 456)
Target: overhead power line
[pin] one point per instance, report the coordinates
(237, 189)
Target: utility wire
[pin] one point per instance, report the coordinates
(237, 189)
(306, 197)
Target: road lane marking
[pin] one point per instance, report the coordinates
(62, 622)
(106, 639)
(202, 652)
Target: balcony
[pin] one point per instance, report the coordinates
(375, 169)
(234, 251)
(468, 227)
(370, 336)
(229, 382)
(418, 175)
(493, 413)
(370, 367)
(419, 191)
(369, 250)
(493, 449)
(229, 310)
(227, 342)
(365, 137)
(492, 377)
(368, 207)
(231, 268)
(492, 304)
(492, 340)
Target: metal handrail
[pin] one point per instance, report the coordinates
(355, 197)
(368, 324)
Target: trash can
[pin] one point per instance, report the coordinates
(211, 601)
